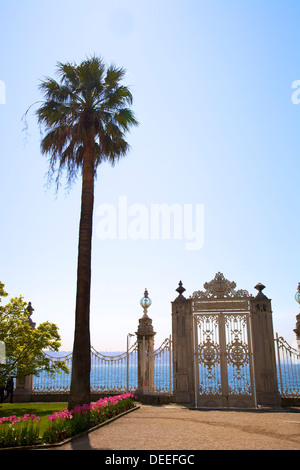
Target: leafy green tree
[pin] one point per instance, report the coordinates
(86, 115)
(24, 343)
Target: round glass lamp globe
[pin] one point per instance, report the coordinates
(145, 302)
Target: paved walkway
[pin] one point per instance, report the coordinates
(173, 427)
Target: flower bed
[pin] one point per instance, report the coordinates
(19, 431)
(15, 431)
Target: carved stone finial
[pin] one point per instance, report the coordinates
(260, 287)
(30, 309)
(180, 289)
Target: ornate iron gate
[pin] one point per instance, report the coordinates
(222, 346)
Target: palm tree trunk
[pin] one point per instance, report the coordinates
(81, 361)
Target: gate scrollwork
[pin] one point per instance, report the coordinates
(209, 355)
(238, 356)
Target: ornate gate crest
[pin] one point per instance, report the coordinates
(220, 288)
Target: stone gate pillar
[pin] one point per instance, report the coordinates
(23, 391)
(183, 351)
(145, 339)
(265, 372)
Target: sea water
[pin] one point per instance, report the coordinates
(118, 377)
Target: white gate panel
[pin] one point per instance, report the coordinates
(223, 360)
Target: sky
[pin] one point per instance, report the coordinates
(215, 89)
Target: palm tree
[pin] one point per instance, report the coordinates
(86, 115)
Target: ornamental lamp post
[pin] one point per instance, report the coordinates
(297, 329)
(145, 340)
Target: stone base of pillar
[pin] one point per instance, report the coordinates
(269, 400)
(22, 396)
(23, 390)
(154, 398)
(183, 397)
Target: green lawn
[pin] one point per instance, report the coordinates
(43, 410)
(30, 432)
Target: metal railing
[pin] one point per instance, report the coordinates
(57, 383)
(163, 368)
(288, 368)
(119, 372)
(109, 373)
(114, 373)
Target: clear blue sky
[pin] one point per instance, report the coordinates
(212, 86)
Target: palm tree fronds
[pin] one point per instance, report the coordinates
(87, 99)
